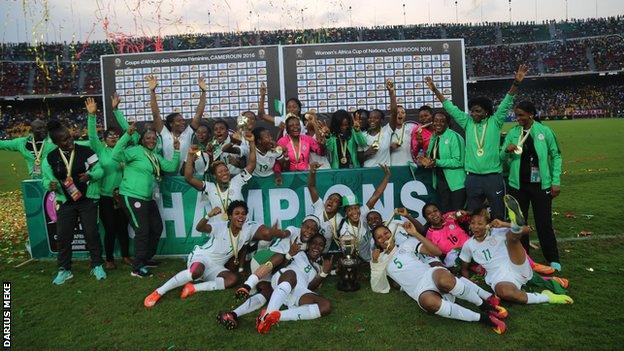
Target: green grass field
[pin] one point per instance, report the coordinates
(88, 315)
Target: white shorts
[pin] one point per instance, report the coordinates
(295, 295)
(518, 275)
(211, 270)
(451, 258)
(426, 283)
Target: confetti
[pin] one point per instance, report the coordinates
(13, 230)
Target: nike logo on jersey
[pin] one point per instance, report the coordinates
(499, 192)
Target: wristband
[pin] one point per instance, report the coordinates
(323, 274)
(288, 256)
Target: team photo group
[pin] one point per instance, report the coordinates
(475, 231)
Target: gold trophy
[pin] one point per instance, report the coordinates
(242, 122)
(347, 265)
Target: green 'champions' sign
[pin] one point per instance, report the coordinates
(181, 206)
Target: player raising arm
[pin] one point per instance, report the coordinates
(225, 188)
(498, 249)
(174, 127)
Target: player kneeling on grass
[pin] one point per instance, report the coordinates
(293, 285)
(497, 247)
(207, 262)
(433, 288)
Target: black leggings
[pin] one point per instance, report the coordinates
(68, 214)
(115, 225)
(147, 223)
(541, 201)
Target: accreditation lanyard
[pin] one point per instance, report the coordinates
(70, 163)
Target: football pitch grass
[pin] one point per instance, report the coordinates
(85, 314)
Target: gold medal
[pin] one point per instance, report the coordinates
(480, 141)
(37, 162)
(343, 160)
(236, 261)
(524, 134)
(375, 145)
(279, 150)
(224, 216)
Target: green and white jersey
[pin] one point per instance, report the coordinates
(221, 245)
(304, 268)
(491, 253)
(405, 267)
(282, 245)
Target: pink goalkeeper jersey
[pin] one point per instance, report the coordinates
(415, 145)
(300, 162)
(451, 235)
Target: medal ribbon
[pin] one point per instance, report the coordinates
(296, 152)
(480, 141)
(154, 161)
(234, 246)
(523, 137)
(224, 201)
(37, 153)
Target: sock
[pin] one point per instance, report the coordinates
(279, 296)
(544, 283)
(465, 292)
(211, 285)
(556, 266)
(252, 281)
(177, 280)
(301, 313)
(455, 311)
(536, 298)
(483, 294)
(253, 303)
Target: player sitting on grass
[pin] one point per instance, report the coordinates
(265, 260)
(496, 246)
(293, 285)
(207, 262)
(433, 288)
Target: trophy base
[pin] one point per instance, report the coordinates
(347, 275)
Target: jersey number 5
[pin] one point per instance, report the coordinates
(398, 263)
